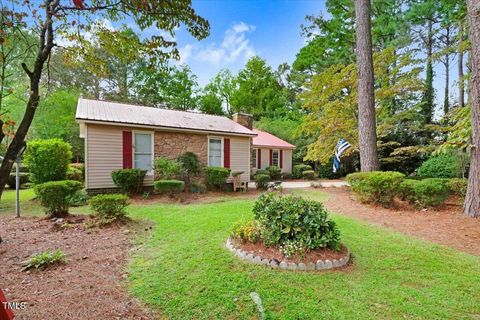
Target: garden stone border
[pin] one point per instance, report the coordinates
(283, 265)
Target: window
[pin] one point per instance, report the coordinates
(254, 158)
(215, 154)
(275, 157)
(143, 153)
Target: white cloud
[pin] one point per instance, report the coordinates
(185, 53)
(235, 45)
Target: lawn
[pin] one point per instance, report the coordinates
(183, 270)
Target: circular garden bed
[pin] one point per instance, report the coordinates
(318, 259)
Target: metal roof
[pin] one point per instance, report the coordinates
(121, 113)
(265, 139)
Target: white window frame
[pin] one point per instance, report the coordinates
(255, 163)
(222, 150)
(152, 135)
(278, 157)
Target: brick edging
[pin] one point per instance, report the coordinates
(320, 265)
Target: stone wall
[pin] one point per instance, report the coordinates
(174, 144)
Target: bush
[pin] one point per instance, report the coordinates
(458, 187)
(325, 171)
(74, 173)
(442, 166)
(129, 180)
(169, 186)
(286, 175)
(263, 171)
(261, 181)
(12, 178)
(298, 170)
(406, 190)
(190, 163)
(376, 187)
(48, 160)
(44, 260)
(308, 174)
(216, 176)
(109, 207)
(167, 169)
(286, 219)
(80, 198)
(274, 172)
(55, 195)
(198, 187)
(246, 231)
(430, 192)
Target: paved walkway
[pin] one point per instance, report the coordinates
(307, 184)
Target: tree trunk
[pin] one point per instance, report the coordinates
(427, 106)
(366, 99)
(461, 82)
(472, 200)
(446, 102)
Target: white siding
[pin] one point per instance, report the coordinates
(287, 160)
(240, 156)
(265, 158)
(104, 153)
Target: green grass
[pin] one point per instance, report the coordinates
(183, 271)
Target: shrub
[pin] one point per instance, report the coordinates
(286, 175)
(406, 190)
(44, 260)
(376, 187)
(74, 173)
(129, 180)
(325, 171)
(262, 171)
(442, 166)
(298, 170)
(109, 207)
(12, 179)
(248, 231)
(190, 163)
(216, 176)
(169, 186)
(167, 169)
(287, 219)
(308, 174)
(198, 187)
(430, 192)
(458, 187)
(274, 172)
(48, 160)
(79, 198)
(54, 196)
(261, 181)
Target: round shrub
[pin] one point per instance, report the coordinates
(48, 160)
(274, 172)
(458, 186)
(216, 176)
(298, 170)
(406, 190)
(129, 180)
(261, 181)
(190, 163)
(308, 174)
(248, 231)
(74, 173)
(442, 166)
(169, 186)
(430, 192)
(54, 196)
(109, 206)
(12, 179)
(285, 220)
(376, 187)
(167, 169)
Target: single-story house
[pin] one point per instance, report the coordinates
(269, 150)
(119, 135)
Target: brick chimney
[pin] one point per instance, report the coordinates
(244, 119)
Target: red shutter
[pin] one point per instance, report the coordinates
(127, 150)
(259, 158)
(226, 153)
(271, 157)
(281, 159)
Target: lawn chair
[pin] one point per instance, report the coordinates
(237, 181)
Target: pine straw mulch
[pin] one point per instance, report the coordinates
(89, 286)
(444, 225)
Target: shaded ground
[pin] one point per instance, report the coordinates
(88, 286)
(446, 225)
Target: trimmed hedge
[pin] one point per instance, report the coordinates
(169, 186)
(261, 181)
(298, 170)
(48, 160)
(129, 180)
(442, 166)
(109, 206)
(458, 186)
(308, 174)
(287, 220)
(74, 173)
(376, 187)
(216, 176)
(54, 196)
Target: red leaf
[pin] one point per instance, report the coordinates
(79, 4)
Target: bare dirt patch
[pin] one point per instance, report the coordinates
(88, 286)
(445, 225)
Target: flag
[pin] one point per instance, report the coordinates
(342, 145)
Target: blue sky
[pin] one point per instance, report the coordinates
(241, 29)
